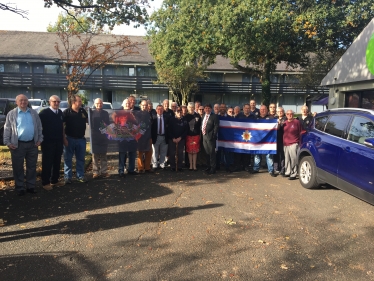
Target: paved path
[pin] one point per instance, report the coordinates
(186, 226)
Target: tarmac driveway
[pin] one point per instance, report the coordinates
(186, 226)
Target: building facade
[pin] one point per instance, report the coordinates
(29, 64)
(351, 80)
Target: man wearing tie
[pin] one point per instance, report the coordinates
(209, 130)
(159, 132)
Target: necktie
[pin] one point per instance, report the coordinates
(160, 127)
(204, 124)
(56, 111)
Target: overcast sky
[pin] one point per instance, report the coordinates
(39, 17)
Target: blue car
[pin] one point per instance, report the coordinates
(338, 149)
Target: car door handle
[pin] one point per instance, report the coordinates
(348, 149)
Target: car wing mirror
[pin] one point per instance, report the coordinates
(369, 142)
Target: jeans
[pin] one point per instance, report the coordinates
(269, 162)
(77, 147)
(122, 157)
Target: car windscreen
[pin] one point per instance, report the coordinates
(106, 106)
(64, 104)
(35, 102)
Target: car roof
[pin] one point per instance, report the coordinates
(349, 110)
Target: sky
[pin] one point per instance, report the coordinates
(39, 17)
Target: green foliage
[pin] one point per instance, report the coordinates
(255, 35)
(67, 21)
(104, 12)
(83, 97)
(177, 53)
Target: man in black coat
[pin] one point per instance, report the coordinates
(159, 133)
(52, 145)
(209, 129)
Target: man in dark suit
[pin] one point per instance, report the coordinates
(159, 132)
(209, 129)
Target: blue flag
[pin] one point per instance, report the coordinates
(248, 136)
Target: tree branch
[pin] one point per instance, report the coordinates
(7, 7)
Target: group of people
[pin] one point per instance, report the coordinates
(181, 136)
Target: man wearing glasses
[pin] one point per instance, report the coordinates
(23, 135)
(52, 145)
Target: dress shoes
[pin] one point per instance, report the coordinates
(48, 187)
(133, 173)
(285, 176)
(292, 178)
(31, 190)
(273, 174)
(149, 171)
(122, 175)
(207, 169)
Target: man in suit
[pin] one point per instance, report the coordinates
(209, 129)
(159, 132)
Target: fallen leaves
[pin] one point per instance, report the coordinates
(230, 222)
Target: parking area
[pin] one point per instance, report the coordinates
(186, 226)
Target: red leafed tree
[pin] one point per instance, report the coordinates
(83, 54)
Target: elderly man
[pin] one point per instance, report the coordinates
(166, 109)
(23, 135)
(99, 141)
(132, 101)
(215, 108)
(174, 106)
(306, 117)
(75, 120)
(159, 132)
(291, 137)
(236, 111)
(53, 143)
(269, 157)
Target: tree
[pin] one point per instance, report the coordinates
(177, 49)
(257, 35)
(103, 12)
(67, 21)
(83, 54)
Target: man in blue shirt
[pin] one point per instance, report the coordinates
(23, 135)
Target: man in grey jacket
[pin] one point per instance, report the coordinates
(23, 135)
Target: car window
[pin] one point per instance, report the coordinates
(336, 125)
(361, 129)
(2, 107)
(106, 106)
(320, 122)
(11, 105)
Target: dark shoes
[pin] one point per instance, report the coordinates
(122, 175)
(31, 190)
(210, 172)
(21, 193)
(285, 176)
(272, 174)
(149, 171)
(292, 178)
(133, 173)
(255, 171)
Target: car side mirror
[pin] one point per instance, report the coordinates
(369, 142)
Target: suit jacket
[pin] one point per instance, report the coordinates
(211, 128)
(154, 128)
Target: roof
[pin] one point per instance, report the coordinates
(40, 47)
(353, 65)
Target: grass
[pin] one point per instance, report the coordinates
(5, 156)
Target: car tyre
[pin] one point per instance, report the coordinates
(308, 173)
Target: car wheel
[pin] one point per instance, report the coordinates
(308, 173)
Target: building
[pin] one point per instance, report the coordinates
(29, 64)
(351, 80)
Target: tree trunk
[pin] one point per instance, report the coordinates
(265, 83)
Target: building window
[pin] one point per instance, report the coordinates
(51, 69)
(1, 67)
(368, 100)
(11, 67)
(146, 71)
(291, 79)
(215, 77)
